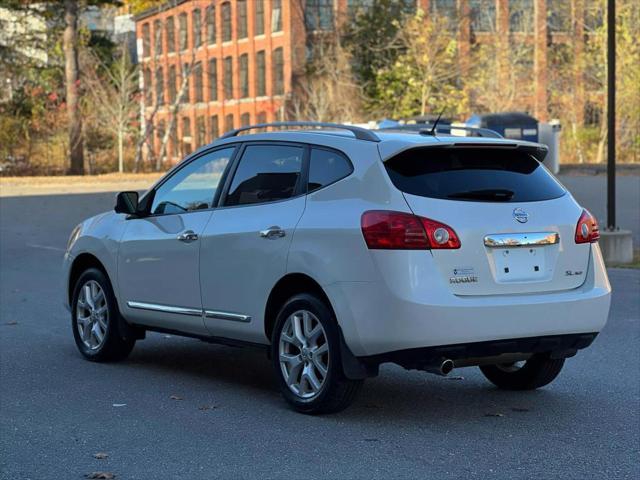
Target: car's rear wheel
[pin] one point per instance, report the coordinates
(536, 372)
(95, 319)
(306, 357)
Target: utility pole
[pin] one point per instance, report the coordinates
(611, 114)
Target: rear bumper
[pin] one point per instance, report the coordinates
(379, 317)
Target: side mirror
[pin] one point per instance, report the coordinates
(127, 202)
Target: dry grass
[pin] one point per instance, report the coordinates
(41, 185)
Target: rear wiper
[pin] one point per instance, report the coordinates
(496, 194)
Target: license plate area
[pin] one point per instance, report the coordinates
(520, 264)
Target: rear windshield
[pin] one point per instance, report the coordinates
(473, 174)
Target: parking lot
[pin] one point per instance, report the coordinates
(188, 409)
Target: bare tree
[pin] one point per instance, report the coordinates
(112, 91)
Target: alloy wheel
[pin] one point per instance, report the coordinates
(92, 315)
(304, 354)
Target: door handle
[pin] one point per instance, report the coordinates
(272, 233)
(188, 236)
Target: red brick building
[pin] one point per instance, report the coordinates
(244, 56)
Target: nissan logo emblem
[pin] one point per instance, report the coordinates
(520, 215)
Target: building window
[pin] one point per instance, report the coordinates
(159, 86)
(228, 78)
(245, 120)
(226, 22)
(211, 24)
(196, 20)
(201, 131)
(228, 122)
(276, 15)
(261, 77)
(186, 135)
(243, 63)
(521, 16)
(241, 13)
(171, 35)
(318, 14)
(160, 129)
(483, 15)
(447, 11)
(157, 37)
(148, 88)
(197, 82)
(172, 87)
(259, 17)
(146, 40)
(559, 16)
(214, 128)
(183, 32)
(213, 80)
(186, 73)
(278, 71)
(261, 117)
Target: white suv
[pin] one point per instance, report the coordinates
(339, 251)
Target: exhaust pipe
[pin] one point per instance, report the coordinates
(443, 367)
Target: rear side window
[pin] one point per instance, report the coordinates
(473, 174)
(266, 173)
(326, 167)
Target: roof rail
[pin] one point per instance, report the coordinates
(424, 129)
(358, 132)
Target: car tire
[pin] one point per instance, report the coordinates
(95, 319)
(314, 350)
(538, 371)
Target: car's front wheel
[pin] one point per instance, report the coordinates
(95, 317)
(536, 372)
(306, 357)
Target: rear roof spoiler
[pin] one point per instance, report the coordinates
(537, 150)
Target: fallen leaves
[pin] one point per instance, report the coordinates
(458, 377)
(100, 475)
(176, 397)
(207, 407)
(119, 404)
(101, 455)
(496, 414)
(12, 322)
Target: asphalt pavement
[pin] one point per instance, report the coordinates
(181, 408)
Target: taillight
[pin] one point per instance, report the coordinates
(587, 230)
(386, 230)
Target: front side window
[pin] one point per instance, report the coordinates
(193, 187)
(326, 167)
(266, 173)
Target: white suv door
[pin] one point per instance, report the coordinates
(158, 259)
(244, 247)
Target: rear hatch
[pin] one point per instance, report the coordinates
(516, 223)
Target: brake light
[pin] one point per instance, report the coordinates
(387, 230)
(587, 230)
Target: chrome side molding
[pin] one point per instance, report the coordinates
(513, 240)
(196, 312)
(234, 317)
